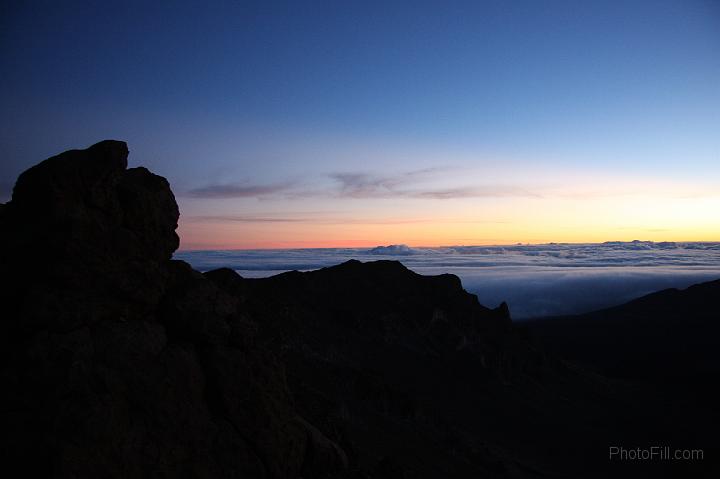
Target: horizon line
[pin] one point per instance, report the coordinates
(496, 245)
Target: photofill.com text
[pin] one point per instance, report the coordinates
(654, 453)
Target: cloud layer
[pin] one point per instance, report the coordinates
(229, 190)
(419, 184)
(535, 280)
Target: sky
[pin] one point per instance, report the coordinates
(351, 124)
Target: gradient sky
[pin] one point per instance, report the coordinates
(305, 124)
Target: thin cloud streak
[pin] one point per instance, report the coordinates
(228, 190)
(481, 192)
(418, 184)
(244, 219)
(327, 220)
(364, 185)
(358, 185)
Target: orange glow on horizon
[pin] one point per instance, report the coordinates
(654, 214)
(194, 239)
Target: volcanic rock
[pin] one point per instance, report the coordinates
(117, 360)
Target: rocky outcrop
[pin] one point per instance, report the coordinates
(118, 361)
(409, 374)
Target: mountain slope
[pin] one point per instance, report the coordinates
(412, 371)
(118, 361)
(669, 336)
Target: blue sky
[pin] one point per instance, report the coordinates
(440, 113)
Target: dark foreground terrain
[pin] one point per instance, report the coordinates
(118, 361)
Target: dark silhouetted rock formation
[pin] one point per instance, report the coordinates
(118, 361)
(668, 338)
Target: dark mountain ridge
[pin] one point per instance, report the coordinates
(118, 361)
(667, 338)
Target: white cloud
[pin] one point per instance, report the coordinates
(535, 280)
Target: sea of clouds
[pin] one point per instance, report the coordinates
(535, 280)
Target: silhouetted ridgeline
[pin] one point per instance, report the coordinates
(668, 339)
(118, 361)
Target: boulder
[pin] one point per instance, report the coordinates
(118, 361)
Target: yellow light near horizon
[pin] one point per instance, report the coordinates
(479, 222)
